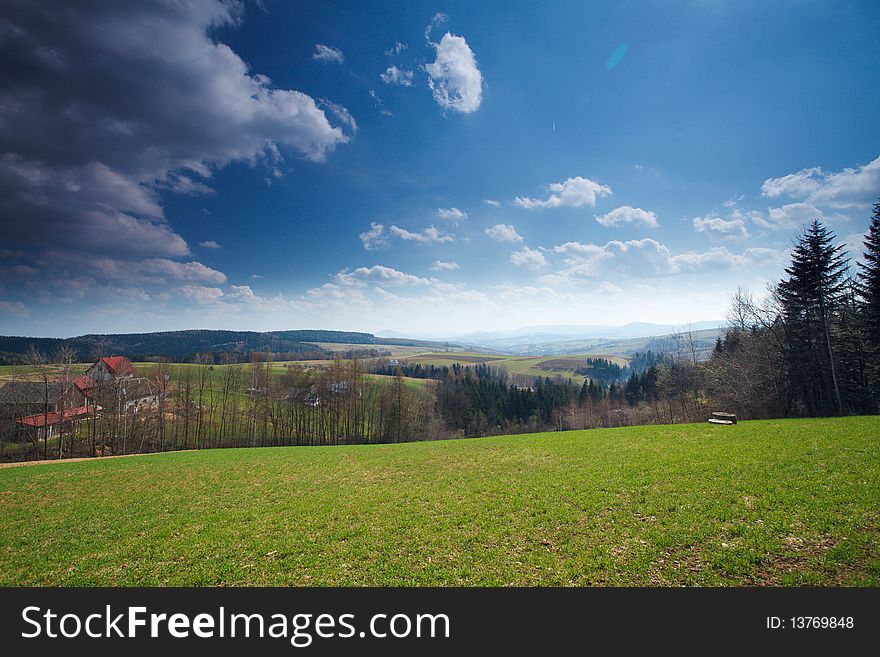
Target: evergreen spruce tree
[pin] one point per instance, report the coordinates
(811, 297)
(869, 279)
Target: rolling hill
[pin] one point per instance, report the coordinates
(777, 502)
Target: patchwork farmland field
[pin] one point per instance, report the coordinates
(549, 366)
(532, 366)
(779, 502)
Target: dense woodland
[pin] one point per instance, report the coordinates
(190, 345)
(809, 347)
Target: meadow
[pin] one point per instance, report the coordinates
(775, 502)
(531, 366)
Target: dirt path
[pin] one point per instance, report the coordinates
(15, 464)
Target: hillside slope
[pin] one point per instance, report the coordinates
(765, 502)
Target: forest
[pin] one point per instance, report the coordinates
(186, 346)
(808, 347)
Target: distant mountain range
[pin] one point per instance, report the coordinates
(299, 344)
(553, 339)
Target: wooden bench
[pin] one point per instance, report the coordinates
(722, 418)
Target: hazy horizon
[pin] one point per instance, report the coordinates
(424, 168)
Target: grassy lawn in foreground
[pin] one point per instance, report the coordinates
(765, 502)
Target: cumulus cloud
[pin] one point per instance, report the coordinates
(452, 215)
(626, 214)
(379, 274)
(718, 228)
(430, 235)
(341, 113)
(210, 244)
(453, 77)
(375, 237)
(790, 216)
(104, 107)
(530, 258)
(573, 193)
(646, 258)
(504, 233)
(201, 294)
(440, 265)
(850, 188)
(327, 54)
(492, 202)
(396, 76)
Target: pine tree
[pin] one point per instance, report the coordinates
(869, 275)
(869, 279)
(810, 299)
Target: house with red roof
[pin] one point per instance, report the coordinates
(46, 424)
(114, 380)
(110, 368)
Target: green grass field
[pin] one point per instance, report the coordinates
(549, 366)
(780, 502)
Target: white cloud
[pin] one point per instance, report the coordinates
(149, 270)
(440, 265)
(504, 233)
(428, 236)
(530, 258)
(648, 258)
(573, 193)
(327, 54)
(850, 188)
(210, 244)
(201, 294)
(626, 214)
(396, 76)
(790, 216)
(800, 184)
(375, 237)
(454, 78)
(452, 215)
(718, 228)
(492, 202)
(182, 271)
(241, 294)
(342, 115)
(379, 274)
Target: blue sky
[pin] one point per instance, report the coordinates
(426, 168)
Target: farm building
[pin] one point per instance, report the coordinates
(136, 395)
(20, 398)
(46, 424)
(110, 368)
(118, 387)
(41, 407)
